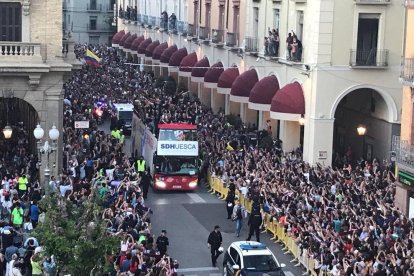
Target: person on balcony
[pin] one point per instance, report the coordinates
(164, 20)
(266, 46)
(173, 21)
(289, 41)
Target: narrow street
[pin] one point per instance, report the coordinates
(189, 217)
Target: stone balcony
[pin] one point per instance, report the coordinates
(20, 52)
(29, 59)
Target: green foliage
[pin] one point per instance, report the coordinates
(75, 235)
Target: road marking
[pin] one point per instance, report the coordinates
(197, 269)
(215, 274)
(196, 198)
(288, 273)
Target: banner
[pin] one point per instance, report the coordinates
(177, 148)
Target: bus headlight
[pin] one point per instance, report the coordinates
(192, 184)
(160, 184)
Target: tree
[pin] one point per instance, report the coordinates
(75, 234)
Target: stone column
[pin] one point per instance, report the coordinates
(318, 140)
(227, 104)
(289, 134)
(54, 106)
(213, 100)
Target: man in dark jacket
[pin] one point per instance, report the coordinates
(214, 242)
(255, 220)
(162, 243)
(231, 196)
(145, 183)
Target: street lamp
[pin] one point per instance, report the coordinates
(46, 148)
(361, 129)
(7, 132)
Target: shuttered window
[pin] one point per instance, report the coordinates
(10, 22)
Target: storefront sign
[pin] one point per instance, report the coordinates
(177, 148)
(406, 179)
(81, 124)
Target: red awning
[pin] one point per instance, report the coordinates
(227, 78)
(158, 50)
(136, 42)
(124, 38)
(242, 85)
(117, 37)
(177, 57)
(289, 99)
(188, 62)
(167, 53)
(264, 90)
(150, 48)
(200, 68)
(129, 40)
(144, 44)
(213, 73)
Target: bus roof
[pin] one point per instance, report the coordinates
(177, 126)
(124, 106)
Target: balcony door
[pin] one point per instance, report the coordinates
(255, 22)
(10, 22)
(367, 42)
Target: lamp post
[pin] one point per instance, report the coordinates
(361, 129)
(46, 148)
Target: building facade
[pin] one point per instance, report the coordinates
(338, 74)
(403, 144)
(35, 59)
(89, 21)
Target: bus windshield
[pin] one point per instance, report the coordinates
(173, 165)
(177, 135)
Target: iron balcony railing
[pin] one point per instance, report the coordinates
(128, 15)
(217, 36)
(139, 18)
(158, 23)
(145, 19)
(403, 151)
(368, 58)
(204, 33)
(192, 31)
(407, 71)
(173, 26)
(232, 39)
(251, 44)
(95, 7)
(151, 21)
(182, 27)
(372, 1)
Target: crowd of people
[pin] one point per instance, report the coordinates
(343, 217)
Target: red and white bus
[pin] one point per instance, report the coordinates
(176, 159)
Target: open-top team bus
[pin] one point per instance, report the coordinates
(176, 159)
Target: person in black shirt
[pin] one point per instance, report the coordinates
(214, 242)
(231, 196)
(255, 220)
(162, 243)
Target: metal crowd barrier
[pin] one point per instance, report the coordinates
(276, 229)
